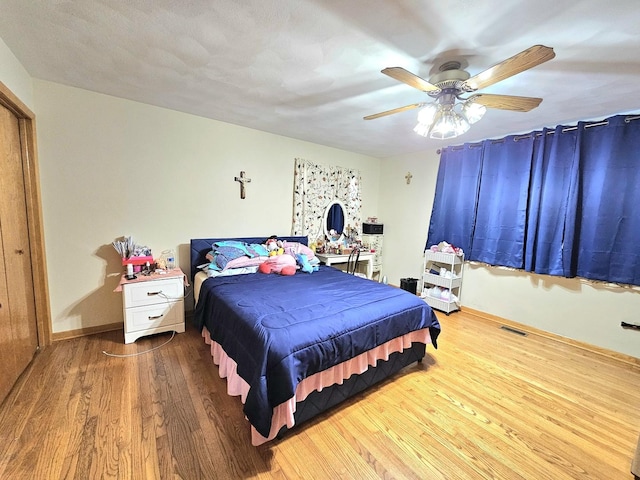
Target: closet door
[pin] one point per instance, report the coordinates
(7, 360)
(18, 331)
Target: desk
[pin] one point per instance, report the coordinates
(331, 258)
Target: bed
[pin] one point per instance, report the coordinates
(293, 346)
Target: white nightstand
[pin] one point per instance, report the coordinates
(153, 304)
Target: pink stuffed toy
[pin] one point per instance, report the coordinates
(282, 264)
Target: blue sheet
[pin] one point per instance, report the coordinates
(282, 329)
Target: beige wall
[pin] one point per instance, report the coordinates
(111, 167)
(585, 311)
(405, 209)
(14, 76)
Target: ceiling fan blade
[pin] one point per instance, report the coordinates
(410, 79)
(506, 102)
(520, 62)
(395, 110)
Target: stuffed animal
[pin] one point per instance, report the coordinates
(274, 246)
(305, 266)
(282, 264)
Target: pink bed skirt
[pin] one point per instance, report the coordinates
(283, 413)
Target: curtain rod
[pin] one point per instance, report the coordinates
(550, 132)
(575, 127)
(564, 130)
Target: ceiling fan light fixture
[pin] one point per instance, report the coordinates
(426, 116)
(422, 129)
(441, 122)
(450, 115)
(473, 111)
(449, 124)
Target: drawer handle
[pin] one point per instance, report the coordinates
(156, 317)
(150, 294)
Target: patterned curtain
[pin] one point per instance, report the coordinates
(315, 187)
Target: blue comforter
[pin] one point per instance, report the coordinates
(282, 329)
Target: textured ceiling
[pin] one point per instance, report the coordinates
(311, 69)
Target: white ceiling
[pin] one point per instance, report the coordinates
(310, 69)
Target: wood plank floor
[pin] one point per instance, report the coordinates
(488, 404)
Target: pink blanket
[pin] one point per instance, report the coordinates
(283, 413)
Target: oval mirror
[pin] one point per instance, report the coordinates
(334, 217)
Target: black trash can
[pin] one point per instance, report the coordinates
(409, 284)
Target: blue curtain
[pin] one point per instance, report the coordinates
(554, 171)
(607, 196)
(454, 206)
(560, 201)
(499, 234)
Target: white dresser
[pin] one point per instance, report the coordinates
(153, 304)
(374, 241)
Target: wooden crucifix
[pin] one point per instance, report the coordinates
(408, 176)
(242, 179)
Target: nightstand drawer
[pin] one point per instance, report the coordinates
(153, 316)
(152, 292)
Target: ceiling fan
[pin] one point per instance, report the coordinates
(439, 118)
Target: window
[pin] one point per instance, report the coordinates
(560, 201)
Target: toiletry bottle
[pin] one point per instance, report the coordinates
(170, 259)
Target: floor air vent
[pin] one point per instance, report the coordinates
(513, 330)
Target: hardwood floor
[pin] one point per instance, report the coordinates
(488, 404)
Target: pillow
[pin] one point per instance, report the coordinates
(249, 249)
(223, 254)
(226, 251)
(259, 250)
(293, 248)
(242, 262)
(231, 271)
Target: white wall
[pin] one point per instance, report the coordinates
(14, 76)
(585, 311)
(111, 167)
